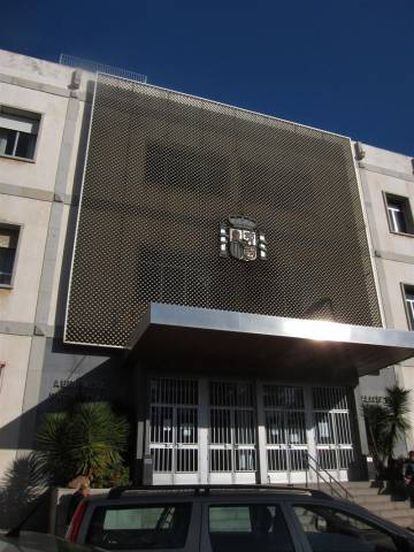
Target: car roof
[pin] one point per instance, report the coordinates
(238, 491)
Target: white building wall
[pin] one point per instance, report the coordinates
(37, 196)
(387, 172)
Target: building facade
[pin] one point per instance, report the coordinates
(223, 276)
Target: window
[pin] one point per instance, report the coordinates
(18, 132)
(409, 304)
(248, 528)
(399, 214)
(9, 236)
(331, 529)
(140, 527)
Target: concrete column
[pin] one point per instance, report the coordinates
(203, 425)
(50, 260)
(310, 421)
(142, 415)
(262, 467)
(361, 449)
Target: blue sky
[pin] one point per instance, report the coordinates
(341, 65)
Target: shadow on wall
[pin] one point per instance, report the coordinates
(20, 493)
(20, 488)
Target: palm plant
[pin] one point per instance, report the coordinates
(89, 439)
(387, 424)
(398, 409)
(376, 424)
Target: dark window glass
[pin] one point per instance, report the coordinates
(18, 132)
(25, 145)
(140, 527)
(7, 141)
(409, 302)
(399, 214)
(328, 529)
(248, 528)
(8, 244)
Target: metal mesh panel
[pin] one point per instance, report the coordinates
(163, 171)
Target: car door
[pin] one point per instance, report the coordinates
(328, 527)
(246, 526)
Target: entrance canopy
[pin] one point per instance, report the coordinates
(292, 346)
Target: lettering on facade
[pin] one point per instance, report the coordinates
(63, 389)
(372, 399)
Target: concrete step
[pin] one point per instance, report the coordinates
(369, 496)
(403, 522)
(372, 499)
(359, 484)
(399, 517)
(365, 492)
(387, 506)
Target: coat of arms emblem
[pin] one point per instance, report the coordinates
(240, 238)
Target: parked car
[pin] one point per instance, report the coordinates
(227, 519)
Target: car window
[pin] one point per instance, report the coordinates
(248, 528)
(332, 530)
(140, 527)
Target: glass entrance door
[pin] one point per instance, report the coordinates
(209, 431)
(286, 439)
(334, 449)
(174, 431)
(232, 433)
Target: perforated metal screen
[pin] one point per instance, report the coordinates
(163, 171)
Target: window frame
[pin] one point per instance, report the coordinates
(31, 114)
(367, 519)
(19, 228)
(193, 533)
(410, 321)
(298, 540)
(407, 213)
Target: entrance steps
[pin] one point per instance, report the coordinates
(379, 502)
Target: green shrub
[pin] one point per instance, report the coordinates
(88, 439)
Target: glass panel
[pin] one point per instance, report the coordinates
(244, 427)
(409, 298)
(8, 244)
(7, 139)
(397, 215)
(25, 145)
(6, 265)
(296, 428)
(298, 460)
(229, 519)
(187, 425)
(327, 459)
(277, 396)
(324, 428)
(157, 526)
(248, 528)
(245, 460)
(220, 426)
(277, 460)
(331, 529)
(275, 428)
(187, 460)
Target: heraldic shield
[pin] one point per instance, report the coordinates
(240, 238)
